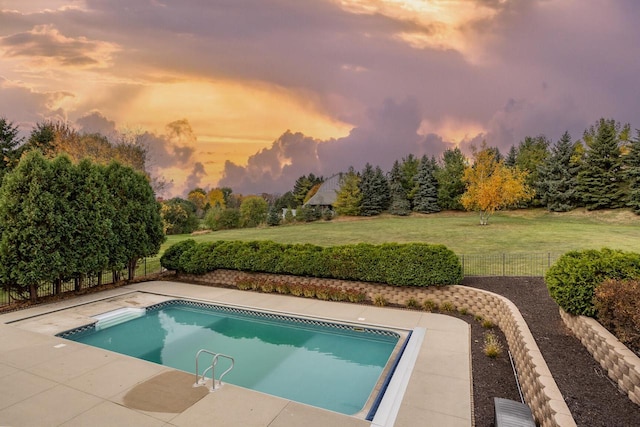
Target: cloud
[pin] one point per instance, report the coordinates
(390, 133)
(45, 46)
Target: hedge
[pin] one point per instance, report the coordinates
(573, 279)
(413, 264)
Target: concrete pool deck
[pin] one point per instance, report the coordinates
(46, 380)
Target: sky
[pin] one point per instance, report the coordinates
(252, 94)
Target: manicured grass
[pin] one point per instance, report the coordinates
(523, 231)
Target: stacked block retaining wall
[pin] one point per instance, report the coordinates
(621, 364)
(539, 388)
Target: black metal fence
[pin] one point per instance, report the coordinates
(145, 267)
(518, 264)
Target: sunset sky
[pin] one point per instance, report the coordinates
(252, 94)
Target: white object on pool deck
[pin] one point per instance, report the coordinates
(390, 404)
(115, 317)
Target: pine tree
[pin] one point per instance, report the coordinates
(302, 186)
(512, 157)
(399, 204)
(409, 169)
(557, 177)
(600, 181)
(375, 191)
(632, 173)
(349, 197)
(532, 153)
(9, 141)
(426, 198)
(274, 216)
(449, 177)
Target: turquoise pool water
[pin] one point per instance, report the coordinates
(318, 363)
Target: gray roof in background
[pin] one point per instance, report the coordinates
(326, 194)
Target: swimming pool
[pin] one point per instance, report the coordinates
(323, 364)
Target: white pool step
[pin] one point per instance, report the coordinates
(115, 317)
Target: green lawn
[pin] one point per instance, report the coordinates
(524, 231)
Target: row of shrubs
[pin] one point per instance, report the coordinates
(412, 264)
(604, 284)
(322, 292)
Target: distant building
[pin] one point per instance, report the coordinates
(326, 195)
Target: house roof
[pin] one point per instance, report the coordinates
(327, 193)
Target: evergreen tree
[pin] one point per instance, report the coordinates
(375, 191)
(349, 197)
(399, 204)
(531, 154)
(426, 198)
(512, 157)
(274, 216)
(409, 168)
(302, 186)
(600, 180)
(632, 173)
(557, 177)
(450, 184)
(9, 141)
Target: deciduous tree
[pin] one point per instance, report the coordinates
(450, 184)
(491, 185)
(253, 211)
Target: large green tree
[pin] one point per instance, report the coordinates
(449, 176)
(9, 142)
(399, 204)
(632, 173)
(558, 176)
(409, 169)
(531, 154)
(426, 197)
(302, 186)
(253, 211)
(600, 180)
(375, 191)
(137, 224)
(349, 197)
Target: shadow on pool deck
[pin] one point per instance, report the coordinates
(46, 380)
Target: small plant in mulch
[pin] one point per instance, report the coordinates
(463, 311)
(267, 286)
(412, 303)
(447, 307)
(296, 289)
(244, 284)
(487, 324)
(323, 292)
(429, 305)
(492, 345)
(282, 288)
(309, 291)
(337, 294)
(379, 301)
(353, 295)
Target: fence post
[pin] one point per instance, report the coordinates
(503, 265)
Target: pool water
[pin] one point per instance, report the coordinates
(331, 366)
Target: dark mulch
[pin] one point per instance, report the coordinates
(593, 399)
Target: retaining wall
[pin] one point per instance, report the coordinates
(621, 364)
(538, 386)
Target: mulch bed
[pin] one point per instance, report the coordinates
(592, 397)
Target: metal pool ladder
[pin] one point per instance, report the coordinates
(202, 379)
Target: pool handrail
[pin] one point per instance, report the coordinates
(202, 379)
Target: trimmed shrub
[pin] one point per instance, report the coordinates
(617, 304)
(171, 257)
(399, 265)
(574, 277)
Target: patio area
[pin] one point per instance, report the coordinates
(46, 380)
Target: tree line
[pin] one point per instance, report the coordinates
(599, 171)
(72, 216)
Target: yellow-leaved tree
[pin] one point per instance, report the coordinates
(491, 185)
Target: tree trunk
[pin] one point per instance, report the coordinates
(99, 278)
(58, 286)
(33, 292)
(132, 267)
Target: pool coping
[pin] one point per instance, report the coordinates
(438, 390)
